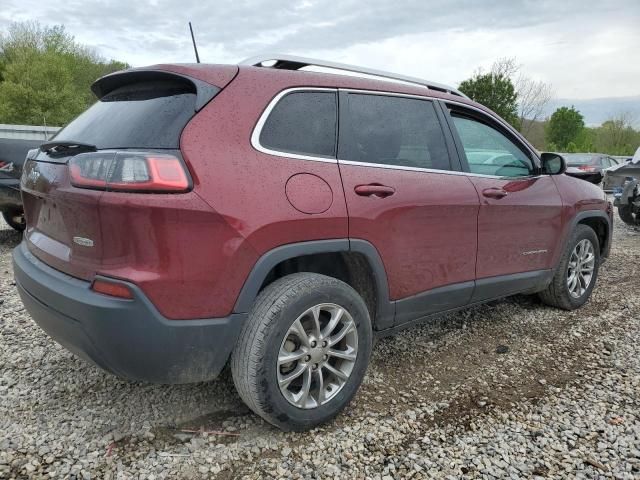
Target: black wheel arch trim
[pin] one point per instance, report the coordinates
(385, 310)
(599, 214)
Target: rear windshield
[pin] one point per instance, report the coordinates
(139, 115)
(577, 159)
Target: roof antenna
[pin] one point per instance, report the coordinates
(193, 39)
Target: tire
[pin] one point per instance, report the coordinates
(15, 219)
(627, 216)
(558, 292)
(269, 332)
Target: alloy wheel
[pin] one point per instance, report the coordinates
(581, 266)
(317, 355)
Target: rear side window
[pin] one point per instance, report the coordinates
(302, 123)
(139, 115)
(392, 130)
(489, 152)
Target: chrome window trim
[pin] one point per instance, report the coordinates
(425, 97)
(430, 170)
(257, 130)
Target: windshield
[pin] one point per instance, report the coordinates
(139, 115)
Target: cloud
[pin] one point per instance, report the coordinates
(585, 49)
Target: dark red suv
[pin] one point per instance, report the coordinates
(280, 220)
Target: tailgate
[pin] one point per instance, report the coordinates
(128, 141)
(63, 223)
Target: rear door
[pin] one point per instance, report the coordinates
(520, 217)
(406, 197)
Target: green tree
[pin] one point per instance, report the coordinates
(616, 136)
(496, 91)
(564, 127)
(45, 75)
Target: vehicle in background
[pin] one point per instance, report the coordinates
(623, 181)
(13, 152)
(588, 166)
(614, 177)
(278, 220)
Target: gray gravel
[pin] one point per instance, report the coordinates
(507, 390)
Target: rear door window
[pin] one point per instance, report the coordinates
(390, 130)
(489, 151)
(140, 115)
(303, 123)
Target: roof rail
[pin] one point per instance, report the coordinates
(292, 62)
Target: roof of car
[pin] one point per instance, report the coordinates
(218, 75)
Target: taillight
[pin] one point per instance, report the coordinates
(587, 168)
(112, 289)
(129, 172)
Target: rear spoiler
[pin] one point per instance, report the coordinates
(105, 85)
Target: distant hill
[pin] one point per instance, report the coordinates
(598, 110)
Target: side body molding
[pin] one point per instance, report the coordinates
(385, 309)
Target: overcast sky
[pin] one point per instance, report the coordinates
(585, 49)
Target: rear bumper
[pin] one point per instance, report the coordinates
(128, 338)
(10, 194)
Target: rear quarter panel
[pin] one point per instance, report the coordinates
(247, 188)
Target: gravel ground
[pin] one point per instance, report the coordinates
(512, 389)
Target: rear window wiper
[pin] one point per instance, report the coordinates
(61, 147)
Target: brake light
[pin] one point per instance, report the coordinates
(112, 289)
(587, 168)
(129, 172)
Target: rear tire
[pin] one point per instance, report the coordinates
(562, 292)
(15, 219)
(331, 353)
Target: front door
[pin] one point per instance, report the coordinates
(404, 197)
(520, 215)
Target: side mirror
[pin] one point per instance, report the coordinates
(553, 164)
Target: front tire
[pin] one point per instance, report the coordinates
(303, 351)
(15, 219)
(577, 271)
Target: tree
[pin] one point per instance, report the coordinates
(494, 90)
(529, 96)
(533, 98)
(45, 75)
(616, 136)
(564, 127)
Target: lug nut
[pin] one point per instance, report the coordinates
(325, 357)
(324, 344)
(315, 366)
(307, 358)
(313, 344)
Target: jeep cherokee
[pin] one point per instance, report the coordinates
(278, 219)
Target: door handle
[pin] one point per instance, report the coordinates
(494, 193)
(375, 190)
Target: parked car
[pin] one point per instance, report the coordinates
(589, 166)
(279, 220)
(12, 156)
(624, 182)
